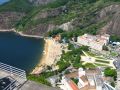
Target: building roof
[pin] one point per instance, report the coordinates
(92, 78)
(73, 85)
(93, 71)
(100, 39)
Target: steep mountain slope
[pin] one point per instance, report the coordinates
(113, 26)
(12, 12)
(77, 16)
(41, 2)
(7, 19)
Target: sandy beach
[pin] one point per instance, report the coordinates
(51, 51)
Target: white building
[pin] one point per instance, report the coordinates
(68, 84)
(95, 42)
(87, 80)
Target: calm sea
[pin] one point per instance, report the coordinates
(21, 52)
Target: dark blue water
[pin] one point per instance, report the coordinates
(3, 1)
(21, 52)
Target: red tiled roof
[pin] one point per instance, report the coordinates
(73, 85)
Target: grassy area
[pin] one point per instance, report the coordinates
(98, 64)
(42, 77)
(114, 54)
(101, 61)
(89, 66)
(71, 58)
(90, 54)
(108, 72)
(115, 38)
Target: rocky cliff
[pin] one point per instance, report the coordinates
(8, 19)
(113, 25)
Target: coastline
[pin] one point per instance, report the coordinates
(21, 33)
(30, 36)
(41, 64)
(52, 50)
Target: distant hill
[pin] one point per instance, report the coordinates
(37, 17)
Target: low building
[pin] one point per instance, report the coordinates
(68, 84)
(87, 80)
(90, 79)
(95, 42)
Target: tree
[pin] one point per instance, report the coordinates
(105, 48)
(110, 72)
(54, 32)
(70, 46)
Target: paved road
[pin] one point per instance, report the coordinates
(31, 85)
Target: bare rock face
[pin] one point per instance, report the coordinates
(8, 19)
(66, 26)
(40, 29)
(41, 2)
(110, 10)
(51, 13)
(113, 26)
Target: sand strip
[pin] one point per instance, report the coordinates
(51, 51)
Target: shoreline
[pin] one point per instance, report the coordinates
(42, 63)
(21, 33)
(42, 59)
(52, 50)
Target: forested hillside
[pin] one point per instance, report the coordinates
(75, 17)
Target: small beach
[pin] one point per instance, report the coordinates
(51, 51)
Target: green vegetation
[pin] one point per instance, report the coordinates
(39, 79)
(113, 84)
(42, 77)
(75, 80)
(102, 61)
(29, 21)
(110, 72)
(89, 66)
(54, 32)
(57, 3)
(114, 38)
(16, 5)
(114, 54)
(105, 48)
(93, 29)
(81, 12)
(71, 58)
(71, 46)
(90, 54)
(100, 65)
